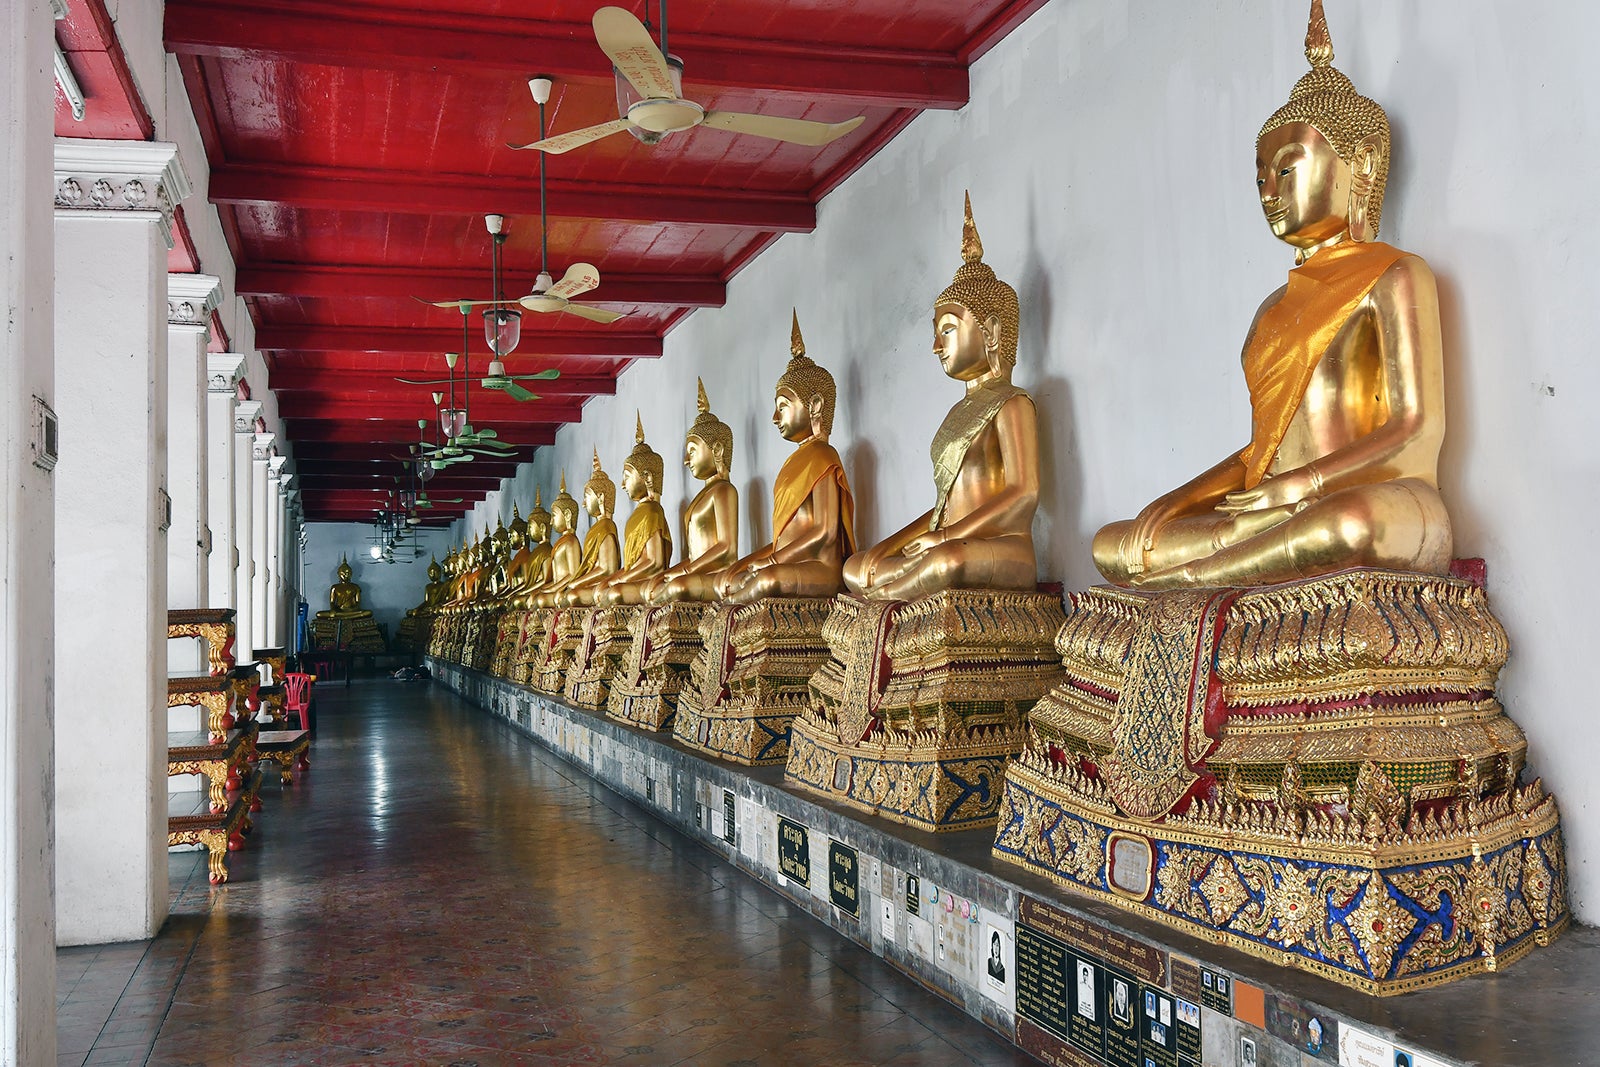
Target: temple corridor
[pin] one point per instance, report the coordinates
(438, 889)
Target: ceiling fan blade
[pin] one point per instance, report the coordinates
(795, 131)
(451, 303)
(579, 279)
(623, 38)
(450, 500)
(566, 142)
(423, 381)
(593, 314)
(517, 392)
(539, 376)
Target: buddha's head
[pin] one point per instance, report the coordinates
(708, 446)
(345, 572)
(538, 525)
(600, 492)
(515, 533)
(976, 318)
(644, 468)
(563, 509)
(499, 541)
(434, 571)
(804, 396)
(1322, 159)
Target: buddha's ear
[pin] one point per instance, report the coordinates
(1363, 177)
(814, 408)
(994, 332)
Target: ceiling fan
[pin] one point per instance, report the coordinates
(656, 75)
(505, 383)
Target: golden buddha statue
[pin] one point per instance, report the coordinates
(566, 554)
(437, 588)
(813, 513)
(531, 567)
(760, 644)
(664, 639)
(601, 553)
(711, 525)
(344, 598)
(647, 538)
(979, 533)
(1285, 737)
(1345, 366)
(935, 662)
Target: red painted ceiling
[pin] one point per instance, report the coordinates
(355, 147)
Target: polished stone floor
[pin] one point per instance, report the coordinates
(440, 890)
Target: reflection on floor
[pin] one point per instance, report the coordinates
(439, 890)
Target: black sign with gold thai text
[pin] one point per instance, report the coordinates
(844, 878)
(794, 852)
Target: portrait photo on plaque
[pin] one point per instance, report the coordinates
(1121, 1002)
(1083, 997)
(996, 967)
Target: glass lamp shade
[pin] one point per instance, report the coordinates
(627, 96)
(452, 421)
(377, 553)
(502, 329)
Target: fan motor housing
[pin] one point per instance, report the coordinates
(666, 116)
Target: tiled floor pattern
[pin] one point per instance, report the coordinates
(439, 890)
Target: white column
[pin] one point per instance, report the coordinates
(275, 550)
(190, 298)
(27, 539)
(222, 391)
(113, 229)
(245, 413)
(260, 456)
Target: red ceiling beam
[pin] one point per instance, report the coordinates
(402, 432)
(304, 337)
(481, 409)
(340, 281)
(472, 43)
(409, 193)
(359, 386)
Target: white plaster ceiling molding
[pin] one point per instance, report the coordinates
(96, 176)
(191, 299)
(245, 413)
(261, 447)
(223, 370)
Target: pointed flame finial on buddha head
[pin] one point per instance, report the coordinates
(717, 435)
(602, 486)
(803, 379)
(644, 459)
(977, 289)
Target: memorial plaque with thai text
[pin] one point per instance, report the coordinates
(794, 852)
(844, 877)
(1144, 961)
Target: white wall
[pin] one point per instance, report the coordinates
(1109, 150)
(387, 589)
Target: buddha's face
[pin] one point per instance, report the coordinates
(1304, 185)
(344, 571)
(791, 416)
(591, 503)
(699, 458)
(561, 520)
(633, 483)
(537, 530)
(961, 344)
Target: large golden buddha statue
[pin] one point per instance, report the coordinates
(761, 643)
(1285, 737)
(601, 553)
(344, 597)
(647, 539)
(664, 639)
(813, 513)
(946, 644)
(345, 623)
(979, 532)
(711, 524)
(1345, 368)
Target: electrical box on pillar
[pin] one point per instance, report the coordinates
(45, 443)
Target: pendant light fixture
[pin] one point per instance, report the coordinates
(502, 323)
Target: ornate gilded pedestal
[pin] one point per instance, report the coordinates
(507, 640)
(1317, 773)
(606, 635)
(563, 633)
(358, 634)
(920, 705)
(749, 680)
(214, 626)
(663, 644)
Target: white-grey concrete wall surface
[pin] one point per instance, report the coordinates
(1109, 150)
(387, 589)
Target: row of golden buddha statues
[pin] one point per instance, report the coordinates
(1276, 727)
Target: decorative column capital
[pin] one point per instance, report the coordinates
(143, 177)
(191, 299)
(261, 447)
(222, 371)
(245, 413)
(275, 468)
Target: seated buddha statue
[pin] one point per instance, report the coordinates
(601, 553)
(979, 533)
(504, 543)
(530, 567)
(566, 552)
(438, 588)
(344, 598)
(647, 538)
(711, 526)
(1344, 365)
(813, 513)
